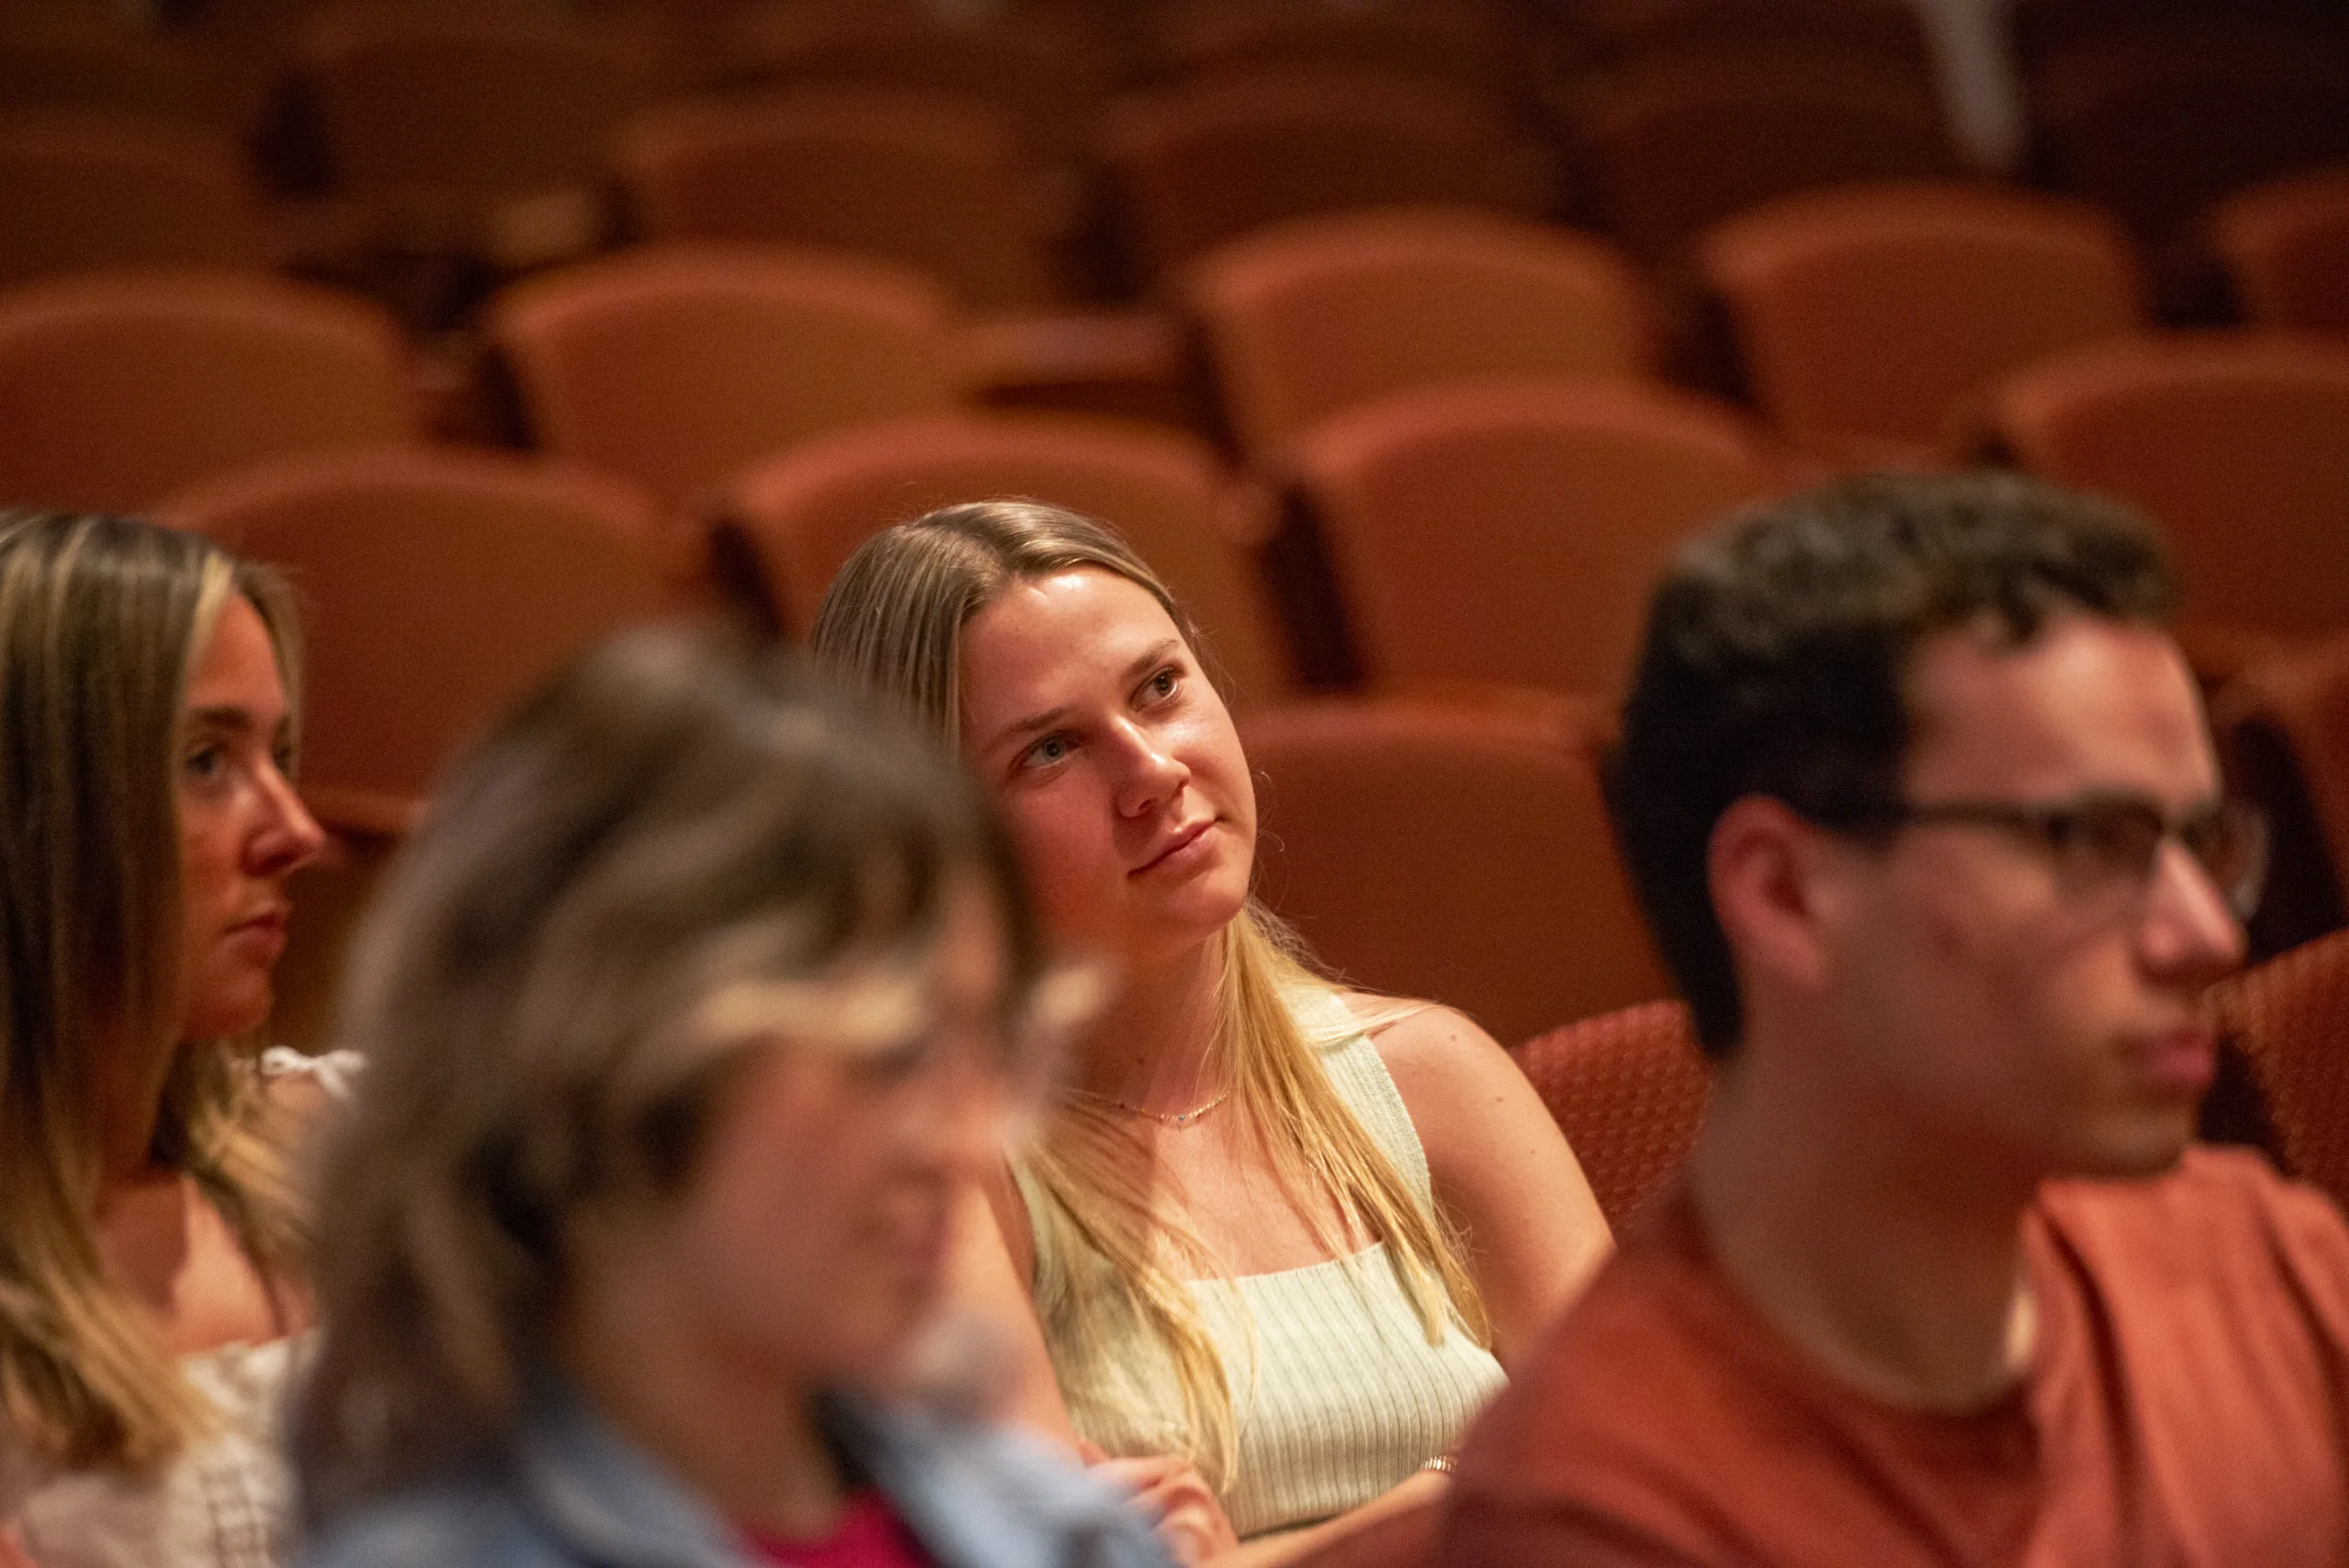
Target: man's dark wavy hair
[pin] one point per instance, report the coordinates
(1778, 647)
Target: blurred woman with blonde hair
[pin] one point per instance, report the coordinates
(1279, 1239)
(151, 1248)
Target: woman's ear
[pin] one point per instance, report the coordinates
(1771, 884)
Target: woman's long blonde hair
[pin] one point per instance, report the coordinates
(893, 621)
(101, 621)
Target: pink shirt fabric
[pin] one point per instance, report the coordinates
(869, 1536)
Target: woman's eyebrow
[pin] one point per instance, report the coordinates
(224, 716)
(229, 718)
(1035, 723)
(1152, 656)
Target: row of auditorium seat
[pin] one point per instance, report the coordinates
(1496, 887)
(443, 121)
(442, 582)
(1423, 442)
(1818, 289)
(1861, 314)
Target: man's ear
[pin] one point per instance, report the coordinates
(1763, 865)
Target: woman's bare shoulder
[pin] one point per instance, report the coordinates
(1469, 1102)
(1428, 1043)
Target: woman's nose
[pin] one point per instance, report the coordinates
(1152, 773)
(289, 838)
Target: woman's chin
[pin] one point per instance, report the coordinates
(227, 1017)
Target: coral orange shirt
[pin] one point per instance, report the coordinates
(2187, 1406)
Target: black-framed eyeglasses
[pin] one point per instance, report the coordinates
(2108, 839)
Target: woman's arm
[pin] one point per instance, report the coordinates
(1289, 1546)
(1192, 1526)
(1502, 1168)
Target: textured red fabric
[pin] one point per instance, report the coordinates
(1628, 1088)
(2291, 1016)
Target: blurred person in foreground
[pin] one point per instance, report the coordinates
(152, 1242)
(697, 999)
(1919, 797)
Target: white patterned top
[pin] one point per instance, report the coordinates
(1339, 1395)
(223, 1501)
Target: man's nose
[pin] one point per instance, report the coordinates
(2188, 931)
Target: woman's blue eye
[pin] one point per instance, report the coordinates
(206, 763)
(1045, 752)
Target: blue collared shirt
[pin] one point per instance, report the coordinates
(576, 1494)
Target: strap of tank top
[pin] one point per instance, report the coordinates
(1360, 1076)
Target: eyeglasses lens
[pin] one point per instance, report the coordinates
(2120, 839)
(2231, 844)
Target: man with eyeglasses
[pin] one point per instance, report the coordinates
(1918, 795)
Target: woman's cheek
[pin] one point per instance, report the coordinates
(1063, 863)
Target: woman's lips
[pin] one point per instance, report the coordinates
(1184, 840)
(266, 929)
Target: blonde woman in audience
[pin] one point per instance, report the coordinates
(1281, 1239)
(688, 1015)
(150, 1245)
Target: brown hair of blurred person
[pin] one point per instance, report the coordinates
(674, 860)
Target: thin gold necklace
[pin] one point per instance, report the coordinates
(1166, 1119)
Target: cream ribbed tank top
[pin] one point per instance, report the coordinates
(1339, 1394)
